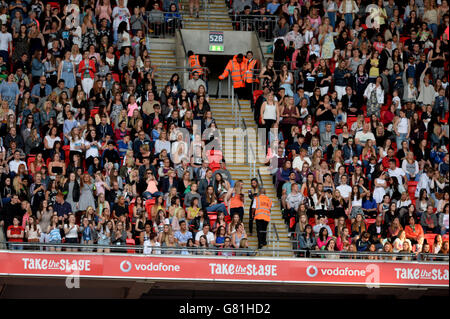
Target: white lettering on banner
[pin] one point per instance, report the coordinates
(249, 270)
(157, 267)
(63, 264)
(343, 272)
(416, 273)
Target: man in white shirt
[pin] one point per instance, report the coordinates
(15, 163)
(5, 44)
(207, 233)
(298, 162)
(424, 182)
(320, 225)
(397, 172)
(194, 83)
(363, 136)
(344, 189)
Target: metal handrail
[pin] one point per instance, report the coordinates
(254, 23)
(132, 249)
(169, 67)
(260, 180)
(324, 253)
(91, 248)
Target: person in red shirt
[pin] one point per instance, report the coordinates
(390, 155)
(15, 234)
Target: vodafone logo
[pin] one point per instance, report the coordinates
(312, 271)
(125, 266)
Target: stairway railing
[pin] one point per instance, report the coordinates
(164, 24)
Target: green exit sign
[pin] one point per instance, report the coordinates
(216, 48)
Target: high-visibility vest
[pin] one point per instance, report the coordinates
(194, 64)
(237, 71)
(262, 208)
(250, 72)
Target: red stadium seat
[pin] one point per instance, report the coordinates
(403, 39)
(256, 95)
(212, 219)
(148, 207)
(130, 211)
(131, 242)
(54, 5)
(94, 111)
(430, 238)
(350, 121)
(115, 77)
(30, 160)
(369, 221)
(412, 185)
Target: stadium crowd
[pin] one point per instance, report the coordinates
(358, 92)
(92, 152)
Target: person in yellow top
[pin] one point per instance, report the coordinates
(262, 206)
(237, 69)
(374, 61)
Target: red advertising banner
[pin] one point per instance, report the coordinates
(305, 271)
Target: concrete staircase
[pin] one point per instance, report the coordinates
(240, 169)
(218, 16)
(162, 55)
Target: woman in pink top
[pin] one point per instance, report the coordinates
(103, 10)
(152, 188)
(343, 239)
(315, 20)
(132, 105)
(323, 238)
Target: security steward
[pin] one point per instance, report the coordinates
(237, 67)
(251, 82)
(194, 63)
(262, 206)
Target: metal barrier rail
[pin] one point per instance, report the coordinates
(163, 27)
(164, 23)
(262, 25)
(133, 249)
(380, 255)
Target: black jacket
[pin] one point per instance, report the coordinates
(75, 193)
(373, 231)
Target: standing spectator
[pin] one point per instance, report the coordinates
(5, 44)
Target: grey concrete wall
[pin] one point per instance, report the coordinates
(234, 41)
(180, 56)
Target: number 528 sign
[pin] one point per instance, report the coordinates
(216, 40)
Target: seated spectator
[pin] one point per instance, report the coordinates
(322, 224)
(413, 231)
(429, 221)
(323, 238)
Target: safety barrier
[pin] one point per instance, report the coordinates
(275, 251)
(164, 24)
(240, 269)
(137, 249)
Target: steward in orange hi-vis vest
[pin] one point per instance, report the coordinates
(237, 67)
(194, 63)
(263, 206)
(252, 64)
